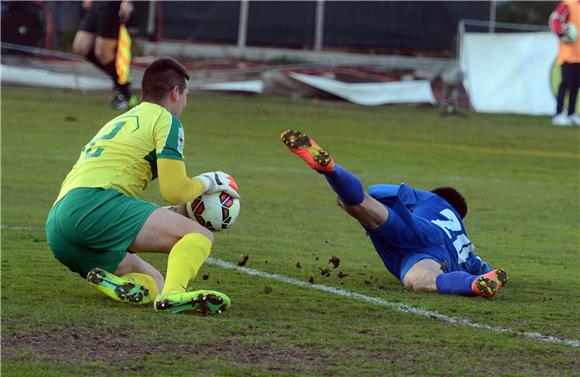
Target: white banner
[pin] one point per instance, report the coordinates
(372, 94)
(252, 86)
(42, 78)
(509, 73)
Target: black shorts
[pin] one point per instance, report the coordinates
(102, 19)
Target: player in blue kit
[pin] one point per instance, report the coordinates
(418, 234)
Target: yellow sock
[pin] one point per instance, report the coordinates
(185, 259)
(145, 280)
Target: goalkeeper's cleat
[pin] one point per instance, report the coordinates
(203, 302)
(308, 150)
(490, 283)
(117, 288)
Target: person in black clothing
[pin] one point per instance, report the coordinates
(565, 23)
(96, 39)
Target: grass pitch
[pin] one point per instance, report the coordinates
(519, 174)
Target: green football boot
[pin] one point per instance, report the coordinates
(117, 288)
(203, 302)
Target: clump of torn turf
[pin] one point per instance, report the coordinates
(335, 261)
(244, 260)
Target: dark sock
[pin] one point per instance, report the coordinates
(93, 59)
(346, 185)
(111, 71)
(456, 283)
(125, 90)
(109, 68)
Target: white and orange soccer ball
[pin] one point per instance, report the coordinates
(217, 211)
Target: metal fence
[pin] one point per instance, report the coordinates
(367, 26)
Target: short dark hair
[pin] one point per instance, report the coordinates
(453, 197)
(161, 76)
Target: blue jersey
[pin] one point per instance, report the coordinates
(421, 225)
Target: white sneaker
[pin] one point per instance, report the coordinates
(562, 120)
(574, 119)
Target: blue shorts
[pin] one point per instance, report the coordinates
(403, 240)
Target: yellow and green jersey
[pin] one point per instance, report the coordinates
(123, 154)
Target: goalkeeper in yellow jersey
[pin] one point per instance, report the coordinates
(98, 223)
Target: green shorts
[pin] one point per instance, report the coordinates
(94, 227)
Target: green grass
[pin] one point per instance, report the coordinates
(520, 176)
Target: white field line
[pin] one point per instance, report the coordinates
(20, 227)
(368, 299)
(397, 306)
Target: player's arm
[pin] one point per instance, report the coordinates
(558, 18)
(174, 184)
(176, 187)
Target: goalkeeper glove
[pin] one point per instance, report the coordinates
(216, 181)
(569, 33)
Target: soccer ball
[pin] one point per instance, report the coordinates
(215, 211)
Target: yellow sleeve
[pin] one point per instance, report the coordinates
(174, 184)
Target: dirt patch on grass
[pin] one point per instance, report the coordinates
(75, 344)
(113, 346)
(120, 349)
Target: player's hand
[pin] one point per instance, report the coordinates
(125, 10)
(215, 181)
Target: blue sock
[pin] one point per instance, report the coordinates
(346, 185)
(456, 283)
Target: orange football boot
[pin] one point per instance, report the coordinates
(488, 284)
(308, 150)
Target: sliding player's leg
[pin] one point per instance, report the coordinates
(422, 276)
(424, 273)
(189, 245)
(350, 190)
(426, 276)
